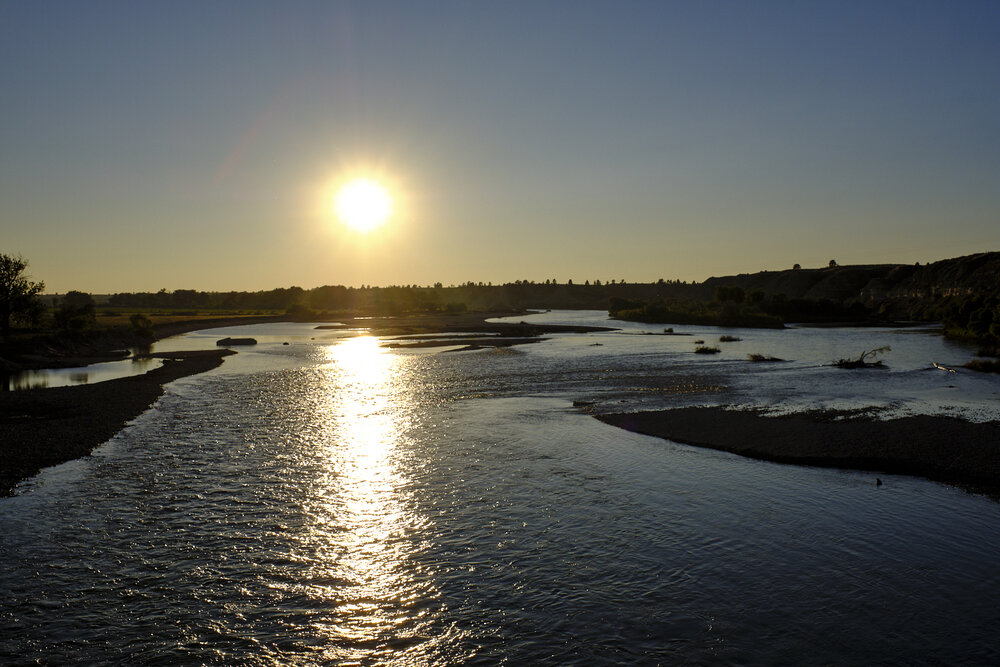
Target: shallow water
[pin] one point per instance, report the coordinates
(330, 501)
(67, 377)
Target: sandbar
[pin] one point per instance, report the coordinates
(45, 427)
(941, 448)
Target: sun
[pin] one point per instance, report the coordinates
(363, 205)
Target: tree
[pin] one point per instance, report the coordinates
(833, 263)
(729, 293)
(17, 293)
(75, 313)
(141, 325)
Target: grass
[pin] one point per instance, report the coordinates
(983, 366)
(119, 317)
(697, 313)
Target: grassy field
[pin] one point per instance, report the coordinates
(111, 316)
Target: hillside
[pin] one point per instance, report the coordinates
(894, 290)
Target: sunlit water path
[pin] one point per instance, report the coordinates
(332, 502)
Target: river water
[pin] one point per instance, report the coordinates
(330, 501)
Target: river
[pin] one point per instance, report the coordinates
(330, 501)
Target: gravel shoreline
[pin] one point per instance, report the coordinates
(44, 427)
(941, 448)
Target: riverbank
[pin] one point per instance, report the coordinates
(945, 449)
(424, 331)
(465, 323)
(51, 350)
(44, 427)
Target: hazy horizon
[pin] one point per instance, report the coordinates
(192, 146)
(574, 281)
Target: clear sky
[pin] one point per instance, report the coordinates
(197, 145)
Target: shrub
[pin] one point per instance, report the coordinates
(141, 325)
(704, 349)
(75, 313)
(983, 366)
(756, 357)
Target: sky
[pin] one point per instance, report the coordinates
(198, 145)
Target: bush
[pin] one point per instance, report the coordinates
(75, 313)
(704, 349)
(142, 326)
(983, 366)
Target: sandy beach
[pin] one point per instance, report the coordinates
(939, 448)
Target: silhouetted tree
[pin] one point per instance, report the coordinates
(141, 325)
(729, 293)
(75, 313)
(18, 294)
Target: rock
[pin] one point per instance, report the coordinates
(236, 341)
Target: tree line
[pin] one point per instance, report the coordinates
(972, 313)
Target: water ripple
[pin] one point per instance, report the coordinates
(352, 505)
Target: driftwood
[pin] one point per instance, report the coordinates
(863, 360)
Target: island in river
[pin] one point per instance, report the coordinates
(937, 447)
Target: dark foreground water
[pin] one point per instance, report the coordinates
(329, 502)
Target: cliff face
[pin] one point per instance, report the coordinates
(961, 276)
(882, 285)
(839, 283)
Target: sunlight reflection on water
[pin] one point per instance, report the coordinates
(365, 521)
(334, 502)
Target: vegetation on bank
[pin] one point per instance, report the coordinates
(757, 357)
(983, 365)
(706, 313)
(18, 294)
(962, 293)
(976, 317)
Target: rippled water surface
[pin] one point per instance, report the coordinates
(333, 502)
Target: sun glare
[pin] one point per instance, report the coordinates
(363, 205)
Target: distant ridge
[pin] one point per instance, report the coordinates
(892, 286)
(862, 292)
